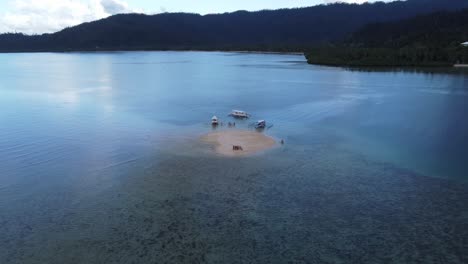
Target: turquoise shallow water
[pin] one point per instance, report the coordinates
(100, 161)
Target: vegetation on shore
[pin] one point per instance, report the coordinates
(388, 57)
(429, 40)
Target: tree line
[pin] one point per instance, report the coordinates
(267, 30)
(427, 40)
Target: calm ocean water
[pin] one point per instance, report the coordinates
(100, 161)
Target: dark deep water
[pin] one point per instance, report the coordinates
(100, 162)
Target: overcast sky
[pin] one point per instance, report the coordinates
(40, 16)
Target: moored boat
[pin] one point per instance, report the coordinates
(214, 121)
(260, 124)
(239, 114)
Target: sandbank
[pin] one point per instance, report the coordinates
(251, 142)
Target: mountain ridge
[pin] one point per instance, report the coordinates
(266, 30)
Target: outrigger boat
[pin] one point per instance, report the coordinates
(239, 114)
(260, 124)
(214, 121)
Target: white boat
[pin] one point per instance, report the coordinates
(260, 124)
(214, 121)
(239, 114)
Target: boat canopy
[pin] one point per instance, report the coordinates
(260, 124)
(239, 114)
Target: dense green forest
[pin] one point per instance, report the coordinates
(267, 30)
(428, 40)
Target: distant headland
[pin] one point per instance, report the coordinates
(434, 40)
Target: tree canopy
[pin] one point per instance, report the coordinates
(426, 40)
(267, 30)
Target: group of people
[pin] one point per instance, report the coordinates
(234, 147)
(232, 124)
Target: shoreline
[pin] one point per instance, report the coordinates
(391, 67)
(425, 66)
(154, 50)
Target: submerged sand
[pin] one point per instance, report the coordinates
(251, 141)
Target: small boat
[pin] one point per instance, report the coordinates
(214, 121)
(260, 124)
(239, 114)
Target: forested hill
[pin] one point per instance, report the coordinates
(426, 40)
(268, 30)
(433, 30)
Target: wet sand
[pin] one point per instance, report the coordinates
(251, 142)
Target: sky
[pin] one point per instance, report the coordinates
(46, 16)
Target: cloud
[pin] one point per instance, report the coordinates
(46, 16)
(114, 7)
